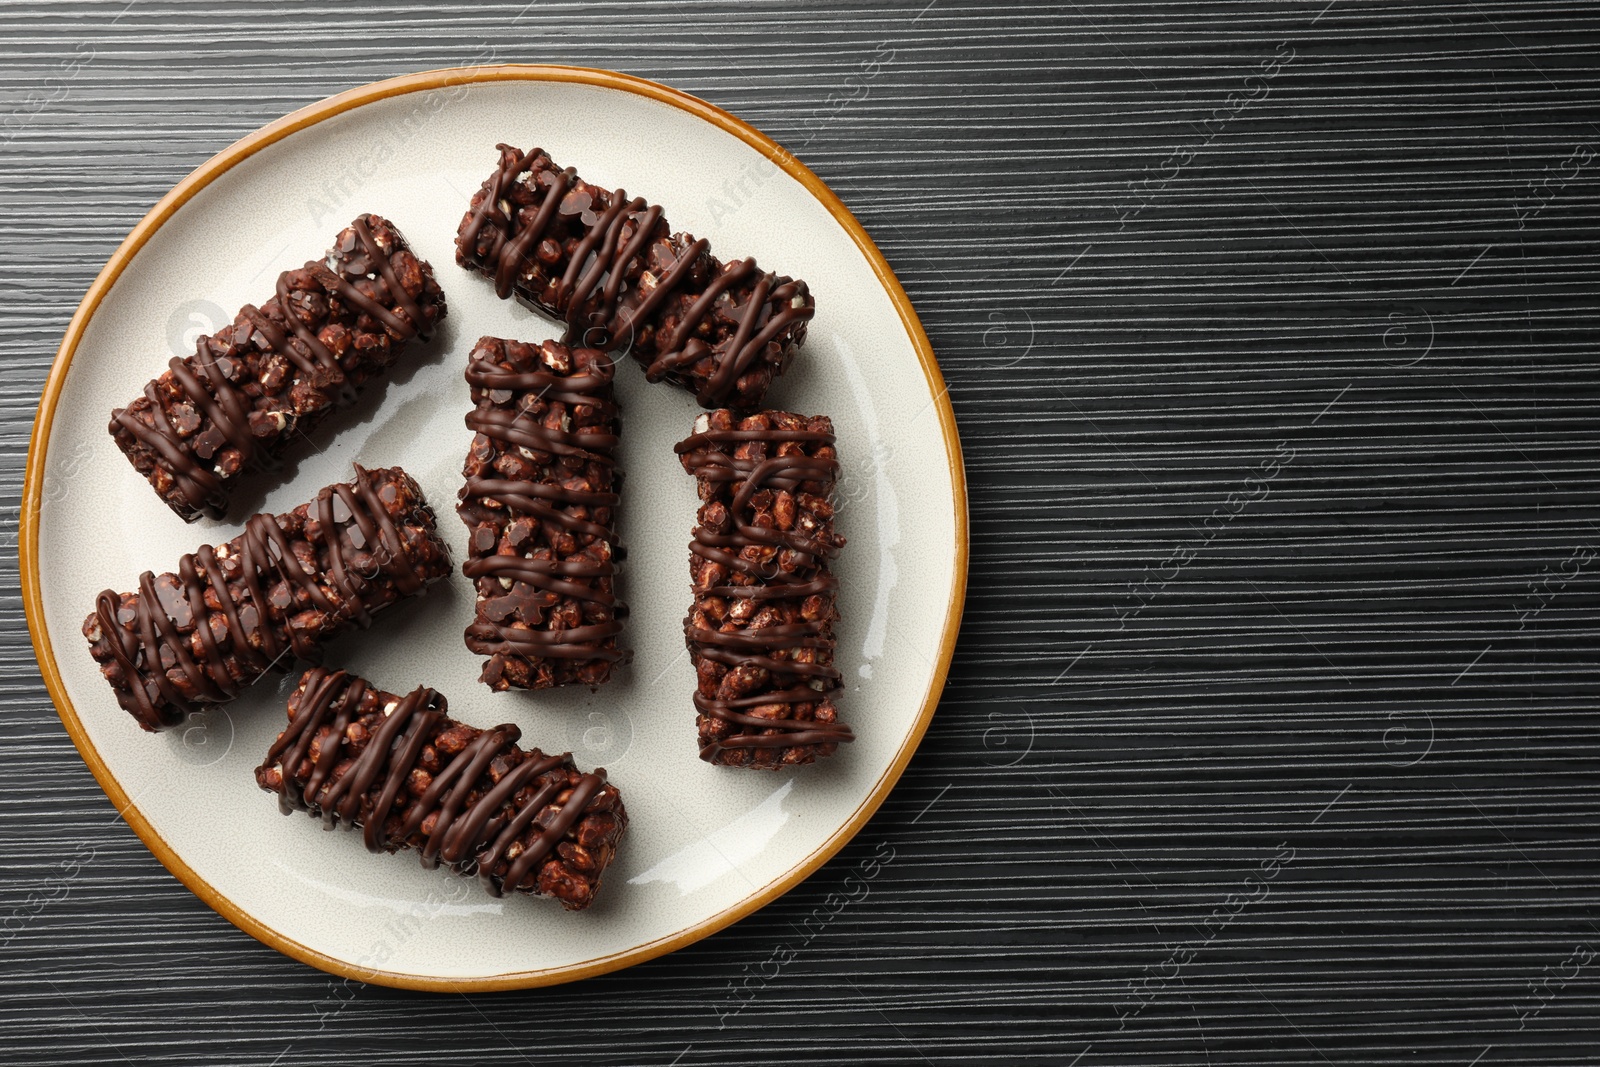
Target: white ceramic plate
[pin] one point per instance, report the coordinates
(705, 845)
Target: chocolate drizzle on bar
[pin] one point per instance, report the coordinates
(607, 266)
(410, 777)
(539, 503)
(761, 629)
(287, 583)
(270, 375)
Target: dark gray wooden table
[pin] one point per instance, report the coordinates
(1271, 736)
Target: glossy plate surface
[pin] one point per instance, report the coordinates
(706, 845)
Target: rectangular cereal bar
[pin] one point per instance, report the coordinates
(412, 778)
(760, 630)
(286, 584)
(275, 371)
(613, 271)
(539, 503)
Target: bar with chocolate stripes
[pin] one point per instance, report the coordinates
(540, 504)
(200, 635)
(278, 369)
(612, 270)
(410, 777)
(760, 631)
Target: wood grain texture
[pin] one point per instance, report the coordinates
(1271, 736)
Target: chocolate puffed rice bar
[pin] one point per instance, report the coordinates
(277, 370)
(760, 631)
(540, 503)
(412, 778)
(285, 585)
(613, 271)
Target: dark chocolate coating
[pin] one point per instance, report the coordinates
(611, 269)
(202, 634)
(412, 778)
(540, 503)
(277, 370)
(761, 629)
